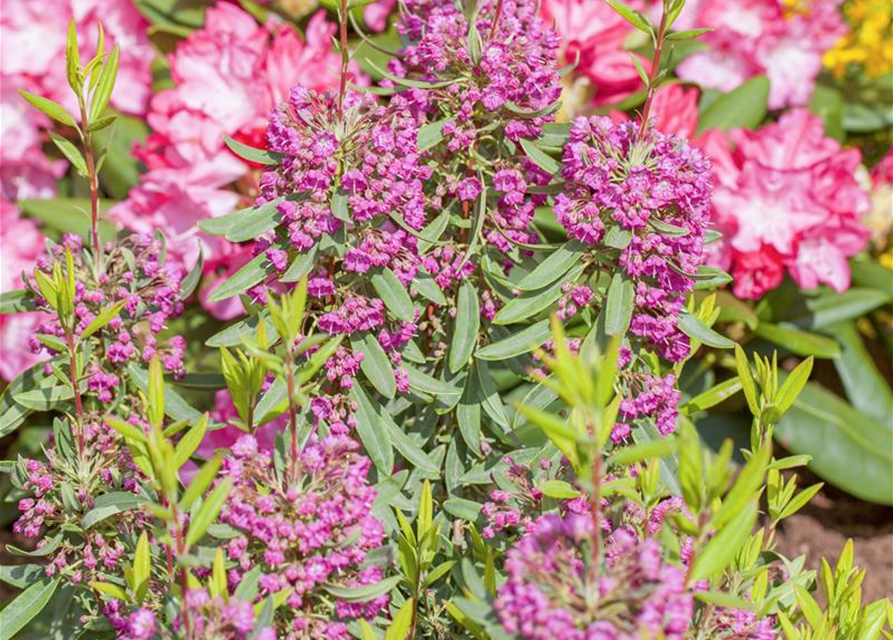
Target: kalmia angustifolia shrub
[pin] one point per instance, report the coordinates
(454, 409)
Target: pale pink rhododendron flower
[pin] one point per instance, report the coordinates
(227, 77)
(754, 37)
(34, 35)
(597, 33)
(786, 198)
(20, 245)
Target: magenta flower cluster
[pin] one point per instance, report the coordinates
(150, 290)
(552, 591)
(306, 532)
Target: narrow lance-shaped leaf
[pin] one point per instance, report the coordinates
(208, 512)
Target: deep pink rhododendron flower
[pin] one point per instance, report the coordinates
(595, 32)
(20, 245)
(788, 198)
(753, 37)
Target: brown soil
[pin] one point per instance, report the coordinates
(823, 526)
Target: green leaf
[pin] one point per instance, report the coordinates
(553, 267)
(208, 512)
(190, 282)
(428, 384)
(110, 504)
(823, 311)
(142, 567)
(18, 613)
(468, 414)
(257, 156)
(402, 621)
(866, 387)
(301, 266)
(795, 340)
(366, 592)
(745, 489)
(645, 451)
(73, 58)
(466, 327)
(53, 109)
(16, 301)
(849, 449)
(255, 222)
(619, 308)
(376, 365)
(793, 385)
(373, 432)
(540, 158)
(431, 134)
(105, 316)
(558, 489)
(708, 278)
(190, 441)
(713, 396)
(721, 550)
(69, 215)
(103, 92)
(232, 335)
(426, 286)
(409, 449)
(691, 326)
(462, 509)
(44, 399)
(533, 302)
(394, 294)
(21, 576)
(249, 275)
(516, 344)
(71, 152)
(175, 406)
(744, 107)
(632, 16)
(102, 123)
(200, 482)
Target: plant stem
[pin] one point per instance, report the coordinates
(94, 186)
(292, 420)
(345, 58)
(595, 508)
(78, 406)
(495, 22)
(655, 71)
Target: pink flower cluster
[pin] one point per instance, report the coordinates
(787, 198)
(656, 190)
(227, 75)
(549, 591)
(307, 531)
(782, 40)
(33, 44)
(150, 291)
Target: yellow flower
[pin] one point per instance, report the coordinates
(869, 45)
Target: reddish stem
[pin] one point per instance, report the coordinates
(655, 71)
(78, 406)
(495, 23)
(345, 58)
(94, 188)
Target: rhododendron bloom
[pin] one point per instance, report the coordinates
(753, 37)
(33, 43)
(20, 245)
(596, 33)
(787, 197)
